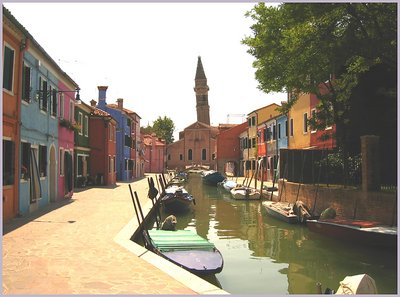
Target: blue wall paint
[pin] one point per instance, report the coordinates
(37, 128)
(283, 141)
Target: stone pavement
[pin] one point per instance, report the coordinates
(82, 246)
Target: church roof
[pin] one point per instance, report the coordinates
(200, 71)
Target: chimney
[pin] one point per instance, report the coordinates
(93, 103)
(120, 102)
(102, 96)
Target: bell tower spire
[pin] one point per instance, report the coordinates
(201, 89)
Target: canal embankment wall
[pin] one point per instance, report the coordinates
(348, 202)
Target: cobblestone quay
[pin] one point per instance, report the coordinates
(70, 248)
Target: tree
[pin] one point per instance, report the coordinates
(146, 130)
(325, 49)
(164, 128)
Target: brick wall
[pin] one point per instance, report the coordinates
(375, 206)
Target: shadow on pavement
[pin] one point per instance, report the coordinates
(20, 221)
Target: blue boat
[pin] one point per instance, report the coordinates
(212, 177)
(186, 249)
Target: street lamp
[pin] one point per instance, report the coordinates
(54, 92)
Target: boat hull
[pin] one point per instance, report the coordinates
(355, 232)
(176, 204)
(197, 261)
(281, 211)
(245, 194)
(188, 250)
(212, 177)
(177, 199)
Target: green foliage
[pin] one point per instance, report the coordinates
(146, 130)
(164, 128)
(335, 165)
(321, 48)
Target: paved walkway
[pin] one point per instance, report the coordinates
(81, 246)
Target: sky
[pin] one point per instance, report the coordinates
(146, 53)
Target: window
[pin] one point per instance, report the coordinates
(79, 165)
(115, 167)
(169, 157)
(72, 112)
(80, 123)
(8, 162)
(86, 126)
(253, 121)
(25, 160)
(8, 68)
(204, 154)
(61, 106)
(313, 115)
(274, 132)
(180, 157)
(42, 160)
(110, 160)
(279, 131)
(190, 153)
(265, 134)
(249, 122)
(291, 127)
(305, 125)
(26, 83)
(286, 129)
(253, 142)
(54, 102)
(128, 141)
(268, 133)
(61, 161)
(43, 93)
(110, 132)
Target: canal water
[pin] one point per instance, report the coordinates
(263, 255)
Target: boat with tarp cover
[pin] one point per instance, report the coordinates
(186, 249)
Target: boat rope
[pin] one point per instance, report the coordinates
(319, 178)
(302, 174)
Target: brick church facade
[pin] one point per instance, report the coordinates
(197, 142)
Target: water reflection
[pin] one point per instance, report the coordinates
(265, 256)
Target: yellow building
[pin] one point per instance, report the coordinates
(299, 131)
(250, 149)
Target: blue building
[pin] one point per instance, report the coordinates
(125, 165)
(39, 156)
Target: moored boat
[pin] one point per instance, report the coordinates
(281, 210)
(176, 199)
(212, 177)
(356, 231)
(353, 285)
(245, 193)
(228, 185)
(186, 249)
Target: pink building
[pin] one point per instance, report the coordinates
(154, 153)
(66, 123)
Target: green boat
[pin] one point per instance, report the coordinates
(186, 249)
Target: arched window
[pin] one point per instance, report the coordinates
(203, 154)
(190, 153)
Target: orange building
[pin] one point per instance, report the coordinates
(103, 142)
(228, 149)
(14, 45)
